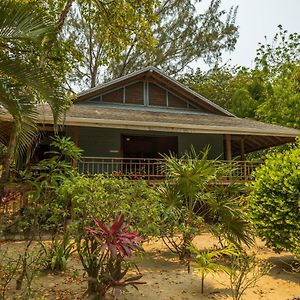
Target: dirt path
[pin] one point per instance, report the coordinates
(167, 279)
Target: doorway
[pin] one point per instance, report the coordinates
(136, 146)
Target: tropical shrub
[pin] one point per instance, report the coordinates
(22, 267)
(275, 200)
(8, 270)
(205, 261)
(193, 202)
(101, 197)
(43, 210)
(30, 75)
(30, 263)
(103, 252)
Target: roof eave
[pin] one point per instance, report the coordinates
(169, 127)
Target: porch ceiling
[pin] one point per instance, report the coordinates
(256, 142)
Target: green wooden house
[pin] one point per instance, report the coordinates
(125, 125)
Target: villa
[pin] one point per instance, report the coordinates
(125, 125)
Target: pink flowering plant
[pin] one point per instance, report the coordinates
(105, 253)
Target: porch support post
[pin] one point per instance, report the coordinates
(75, 138)
(242, 148)
(75, 135)
(228, 146)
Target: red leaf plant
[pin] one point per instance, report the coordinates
(103, 255)
(116, 238)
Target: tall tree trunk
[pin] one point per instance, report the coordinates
(60, 22)
(11, 147)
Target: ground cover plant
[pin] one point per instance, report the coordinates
(55, 256)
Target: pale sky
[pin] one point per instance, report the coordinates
(257, 19)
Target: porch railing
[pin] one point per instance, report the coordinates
(151, 168)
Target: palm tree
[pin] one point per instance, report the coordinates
(26, 77)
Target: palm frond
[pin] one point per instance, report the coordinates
(230, 219)
(26, 78)
(39, 80)
(193, 188)
(15, 101)
(21, 20)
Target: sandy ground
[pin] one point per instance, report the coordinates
(167, 279)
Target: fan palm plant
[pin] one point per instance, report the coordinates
(188, 176)
(193, 201)
(26, 76)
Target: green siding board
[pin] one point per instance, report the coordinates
(100, 142)
(106, 142)
(200, 142)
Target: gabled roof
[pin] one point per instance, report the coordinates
(160, 77)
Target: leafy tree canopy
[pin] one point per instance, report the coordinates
(183, 34)
(94, 31)
(129, 35)
(269, 92)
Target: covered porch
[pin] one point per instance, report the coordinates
(123, 142)
(137, 154)
(131, 141)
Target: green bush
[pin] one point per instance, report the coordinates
(102, 197)
(275, 200)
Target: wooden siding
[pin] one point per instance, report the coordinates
(200, 141)
(151, 74)
(134, 93)
(157, 95)
(145, 93)
(107, 142)
(113, 97)
(174, 101)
